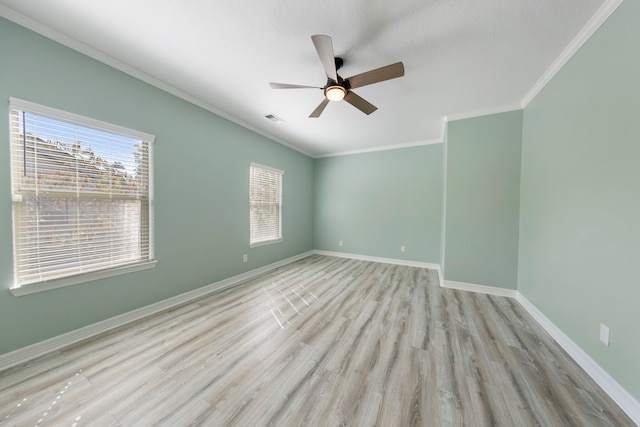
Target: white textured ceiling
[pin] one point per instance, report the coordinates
(461, 57)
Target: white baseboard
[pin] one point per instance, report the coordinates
(395, 261)
(440, 276)
(621, 396)
(482, 289)
(41, 348)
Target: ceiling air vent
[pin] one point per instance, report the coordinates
(274, 118)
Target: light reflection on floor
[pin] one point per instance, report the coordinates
(288, 301)
(42, 420)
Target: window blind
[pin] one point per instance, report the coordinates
(82, 194)
(265, 204)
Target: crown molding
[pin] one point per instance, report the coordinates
(381, 148)
(483, 112)
(440, 140)
(68, 41)
(580, 39)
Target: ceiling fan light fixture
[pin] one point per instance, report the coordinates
(335, 93)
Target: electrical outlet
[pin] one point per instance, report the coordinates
(604, 334)
(245, 258)
(340, 243)
(402, 248)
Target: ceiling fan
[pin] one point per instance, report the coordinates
(337, 88)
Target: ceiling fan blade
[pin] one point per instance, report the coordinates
(360, 103)
(288, 86)
(319, 109)
(378, 75)
(324, 47)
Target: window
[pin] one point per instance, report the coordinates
(82, 198)
(265, 205)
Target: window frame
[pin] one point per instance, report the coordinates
(146, 215)
(262, 242)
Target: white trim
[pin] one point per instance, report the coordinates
(482, 289)
(279, 174)
(380, 148)
(443, 220)
(440, 275)
(619, 395)
(33, 288)
(72, 276)
(483, 112)
(54, 113)
(585, 34)
(65, 40)
(269, 168)
(33, 351)
(265, 242)
(395, 261)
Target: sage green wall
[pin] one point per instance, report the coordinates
(580, 204)
(201, 188)
(482, 200)
(376, 202)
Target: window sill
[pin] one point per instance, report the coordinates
(265, 242)
(33, 288)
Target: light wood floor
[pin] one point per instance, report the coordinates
(321, 342)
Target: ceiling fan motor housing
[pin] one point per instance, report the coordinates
(336, 91)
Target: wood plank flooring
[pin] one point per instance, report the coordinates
(320, 342)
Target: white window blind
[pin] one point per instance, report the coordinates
(82, 194)
(265, 204)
